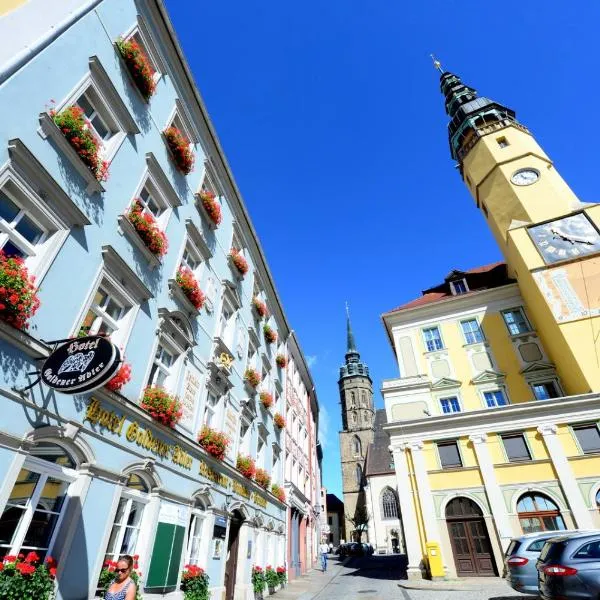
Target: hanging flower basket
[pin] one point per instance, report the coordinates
(145, 224)
(262, 478)
(180, 149)
(107, 576)
(211, 206)
(194, 583)
(266, 399)
(246, 466)
(122, 378)
(139, 66)
(163, 407)
(214, 442)
(260, 307)
(279, 420)
(239, 262)
(278, 492)
(189, 286)
(270, 334)
(77, 130)
(281, 361)
(252, 376)
(27, 577)
(18, 297)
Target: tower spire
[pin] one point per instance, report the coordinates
(353, 365)
(351, 344)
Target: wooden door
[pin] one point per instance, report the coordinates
(232, 558)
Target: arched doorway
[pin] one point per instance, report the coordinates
(469, 538)
(538, 513)
(232, 553)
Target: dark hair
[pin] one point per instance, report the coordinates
(128, 559)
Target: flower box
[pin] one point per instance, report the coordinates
(163, 407)
(194, 583)
(181, 150)
(252, 377)
(189, 286)
(281, 361)
(146, 227)
(262, 478)
(214, 442)
(246, 466)
(211, 208)
(122, 378)
(18, 297)
(238, 262)
(279, 420)
(27, 577)
(278, 492)
(266, 399)
(139, 66)
(270, 334)
(260, 307)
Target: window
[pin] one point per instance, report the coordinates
(588, 438)
(356, 446)
(190, 259)
(105, 313)
(210, 410)
(545, 390)
(227, 323)
(161, 367)
(37, 501)
(389, 504)
(260, 451)
(128, 520)
(90, 104)
(502, 142)
(358, 475)
(459, 287)
(197, 521)
(516, 448)
(494, 398)
(363, 398)
(538, 513)
(352, 400)
(590, 550)
(471, 331)
(329, 520)
(450, 405)
(449, 455)
(515, 321)
(433, 340)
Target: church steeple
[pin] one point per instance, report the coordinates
(354, 366)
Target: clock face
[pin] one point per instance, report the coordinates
(525, 176)
(566, 238)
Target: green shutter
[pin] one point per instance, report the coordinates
(166, 557)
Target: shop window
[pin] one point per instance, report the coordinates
(128, 520)
(196, 530)
(588, 438)
(33, 511)
(449, 455)
(538, 513)
(545, 390)
(389, 504)
(515, 321)
(516, 448)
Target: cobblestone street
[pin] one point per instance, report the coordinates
(381, 578)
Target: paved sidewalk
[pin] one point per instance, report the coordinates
(310, 585)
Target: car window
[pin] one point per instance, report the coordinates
(513, 547)
(537, 545)
(590, 550)
(551, 551)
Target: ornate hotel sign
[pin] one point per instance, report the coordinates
(81, 365)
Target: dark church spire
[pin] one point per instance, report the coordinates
(351, 345)
(354, 367)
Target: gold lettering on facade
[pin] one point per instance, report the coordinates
(258, 499)
(214, 476)
(108, 419)
(242, 490)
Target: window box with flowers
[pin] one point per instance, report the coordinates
(281, 361)
(27, 577)
(194, 583)
(266, 400)
(258, 582)
(163, 407)
(186, 288)
(18, 297)
(238, 262)
(143, 231)
(278, 492)
(262, 478)
(252, 377)
(214, 442)
(107, 576)
(122, 378)
(246, 466)
(270, 334)
(138, 65)
(279, 420)
(259, 307)
(211, 208)
(181, 150)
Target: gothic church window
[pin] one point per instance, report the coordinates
(352, 400)
(389, 505)
(358, 475)
(356, 445)
(364, 398)
(354, 417)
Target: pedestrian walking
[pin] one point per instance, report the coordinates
(123, 587)
(324, 549)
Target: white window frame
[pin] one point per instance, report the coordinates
(439, 330)
(453, 287)
(547, 381)
(227, 325)
(215, 410)
(452, 411)
(479, 329)
(141, 30)
(525, 320)
(491, 391)
(445, 443)
(198, 515)
(179, 119)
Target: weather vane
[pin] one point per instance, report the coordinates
(436, 63)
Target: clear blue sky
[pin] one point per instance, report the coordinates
(331, 118)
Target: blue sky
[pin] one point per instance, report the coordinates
(331, 118)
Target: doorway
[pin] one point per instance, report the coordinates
(232, 554)
(471, 546)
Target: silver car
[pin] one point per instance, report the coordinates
(521, 556)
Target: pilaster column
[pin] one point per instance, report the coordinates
(492, 488)
(581, 513)
(409, 515)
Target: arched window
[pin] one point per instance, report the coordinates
(356, 446)
(389, 504)
(37, 502)
(598, 499)
(538, 513)
(197, 521)
(358, 475)
(352, 400)
(363, 396)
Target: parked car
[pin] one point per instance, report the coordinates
(367, 549)
(569, 567)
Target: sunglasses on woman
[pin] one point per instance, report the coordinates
(122, 570)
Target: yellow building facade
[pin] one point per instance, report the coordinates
(493, 422)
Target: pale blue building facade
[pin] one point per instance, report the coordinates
(88, 477)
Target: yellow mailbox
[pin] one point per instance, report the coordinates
(434, 557)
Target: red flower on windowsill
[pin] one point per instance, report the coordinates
(189, 286)
(238, 261)
(262, 478)
(139, 66)
(281, 361)
(279, 420)
(246, 466)
(122, 377)
(211, 206)
(214, 442)
(260, 307)
(266, 399)
(270, 334)
(18, 297)
(145, 224)
(161, 406)
(181, 150)
(252, 376)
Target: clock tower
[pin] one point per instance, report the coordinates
(550, 240)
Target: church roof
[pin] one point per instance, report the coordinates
(479, 278)
(379, 459)
(334, 504)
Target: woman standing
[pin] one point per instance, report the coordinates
(123, 587)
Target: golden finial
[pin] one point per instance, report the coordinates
(436, 63)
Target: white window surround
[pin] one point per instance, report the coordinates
(179, 118)
(141, 31)
(434, 339)
(492, 386)
(469, 334)
(213, 408)
(459, 286)
(524, 319)
(197, 545)
(454, 407)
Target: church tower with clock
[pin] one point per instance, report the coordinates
(550, 240)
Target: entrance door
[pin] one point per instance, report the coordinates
(470, 542)
(232, 555)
